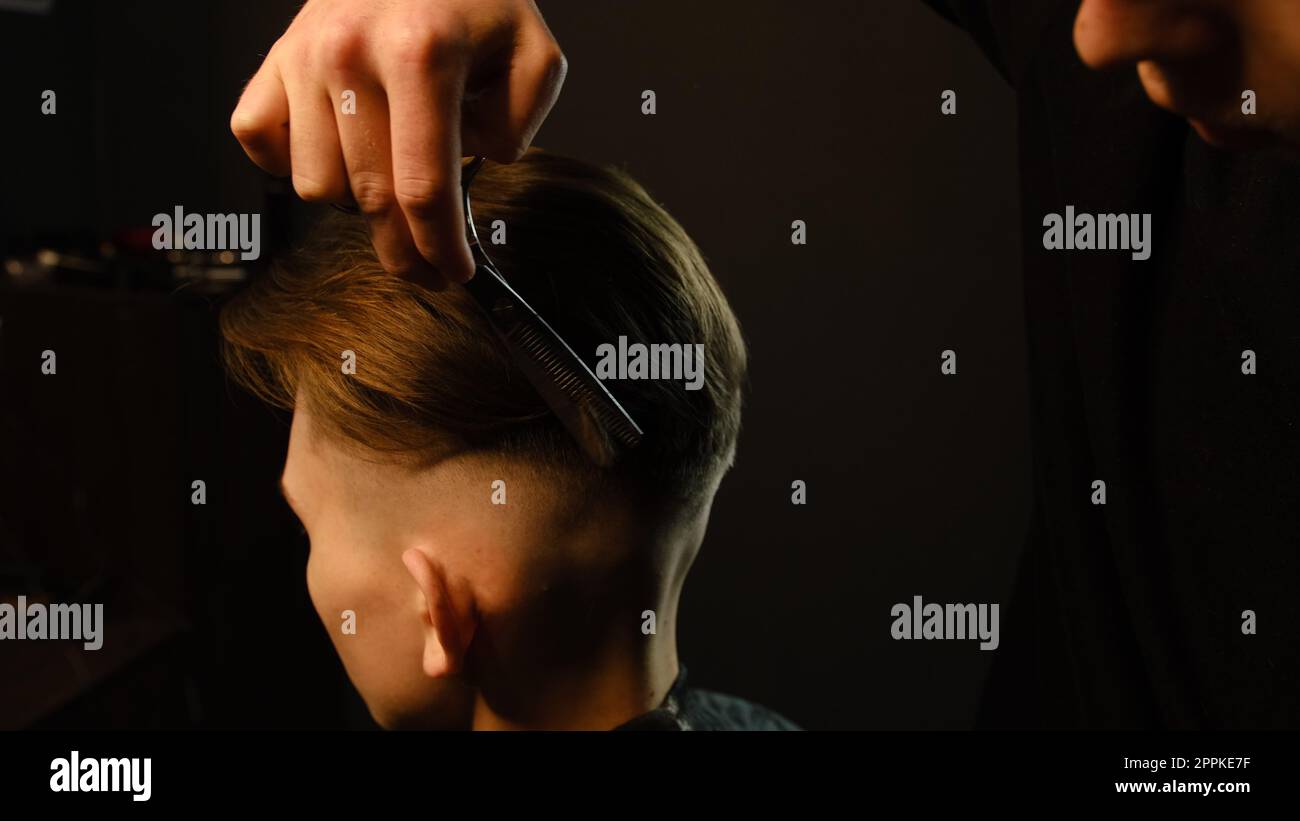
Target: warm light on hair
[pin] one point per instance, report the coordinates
(585, 245)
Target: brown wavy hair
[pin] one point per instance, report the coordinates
(586, 245)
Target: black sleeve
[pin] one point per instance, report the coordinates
(1006, 30)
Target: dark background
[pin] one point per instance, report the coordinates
(768, 112)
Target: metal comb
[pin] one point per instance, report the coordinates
(595, 419)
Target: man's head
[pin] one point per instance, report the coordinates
(1197, 58)
(447, 508)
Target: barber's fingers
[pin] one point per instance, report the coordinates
(316, 154)
(411, 59)
(505, 114)
(261, 121)
(425, 75)
(367, 155)
(424, 111)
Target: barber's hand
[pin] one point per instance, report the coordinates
(434, 80)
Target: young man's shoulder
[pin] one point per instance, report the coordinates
(692, 708)
(708, 710)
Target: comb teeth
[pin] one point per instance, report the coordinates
(591, 413)
(535, 342)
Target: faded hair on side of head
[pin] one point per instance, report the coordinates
(587, 246)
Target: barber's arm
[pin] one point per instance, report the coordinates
(430, 81)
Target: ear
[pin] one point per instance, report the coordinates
(449, 622)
